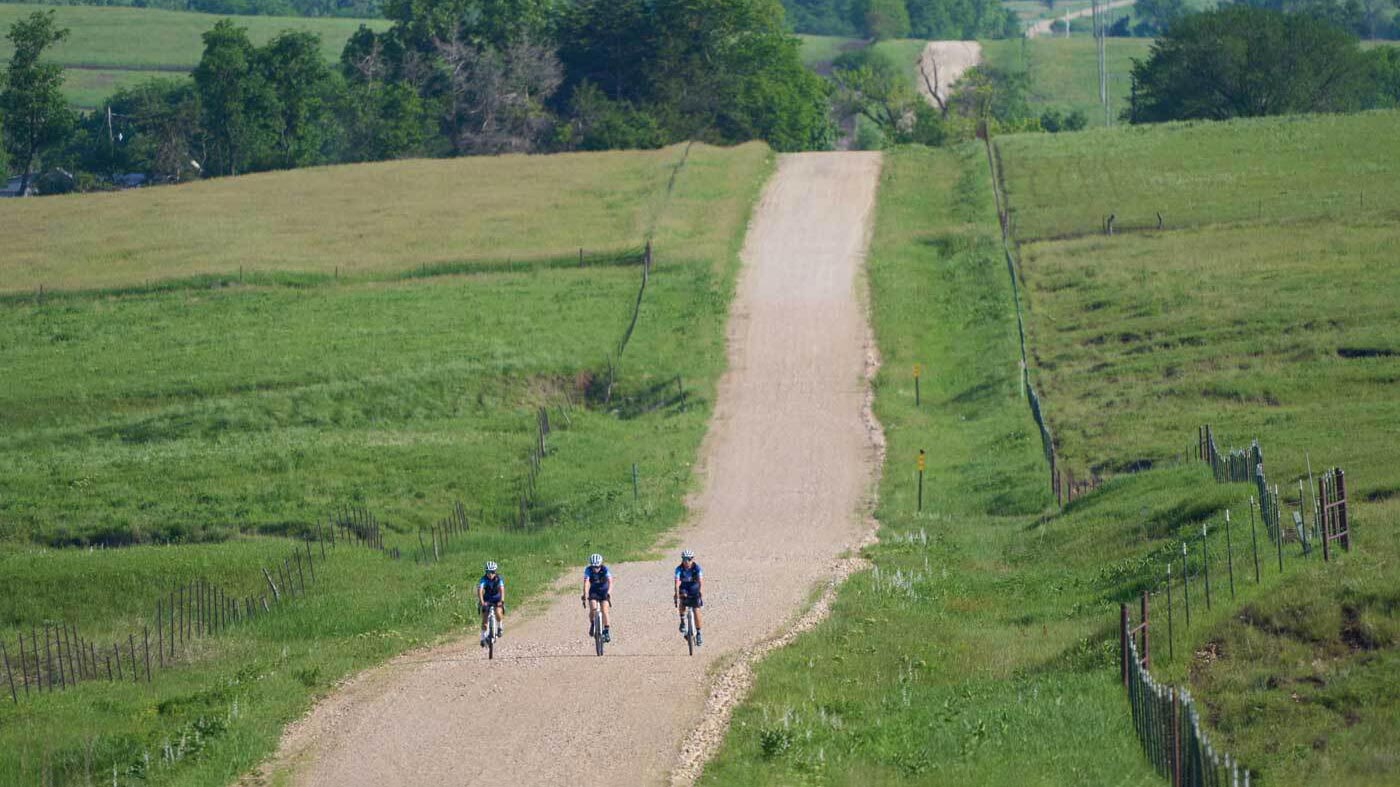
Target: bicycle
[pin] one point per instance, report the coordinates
(493, 630)
(689, 627)
(595, 624)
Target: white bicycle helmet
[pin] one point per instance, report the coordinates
(687, 555)
(595, 559)
(490, 566)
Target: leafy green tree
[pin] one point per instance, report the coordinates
(378, 118)
(153, 128)
(883, 19)
(718, 70)
(239, 106)
(37, 118)
(421, 23)
(1243, 62)
(1385, 71)
(822, 17)
(961, 19)
(872, 86)
(1158, 15)
(292, 67)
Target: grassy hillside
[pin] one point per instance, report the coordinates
(210, 423)
(142, 38)
(1193, 174)
(981, 648)
(1064, 72)
(111, 48)
(376, 219)
(1267, 308)
(87, 88)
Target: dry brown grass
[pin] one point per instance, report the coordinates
(384, 217)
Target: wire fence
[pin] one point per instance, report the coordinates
(59, 657)
(1166, 720)
(1063, 484)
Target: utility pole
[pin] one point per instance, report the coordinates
(1100, 13)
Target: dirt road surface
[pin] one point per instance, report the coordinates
(788, 469)
(1042, 28)
(942, 64)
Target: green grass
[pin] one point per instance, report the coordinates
(1064, 72)
(1266, 308)
(88, 88)
(818, 51)
(904, 53)
(373, 219)
(1277, 169)
(220, 419)
(977, 650)
(149, 39)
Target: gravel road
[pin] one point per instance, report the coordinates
(942, 64)
(788, 468)
(1042, 28)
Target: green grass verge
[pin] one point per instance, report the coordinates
(1064, 72)
(373, 219)
(978, 650)
(145, 38)
(1267, 308)
(238, 414)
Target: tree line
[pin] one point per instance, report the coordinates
(357, 9)
(450, 77)
(885, 19)
(1248, 61)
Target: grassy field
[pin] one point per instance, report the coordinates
(819, 51)
(317, 221)
(975, 651)
(1064, 72)
(207, 423)
(149, 39)
(87, 88)
(1285, 169)
(1266, 308)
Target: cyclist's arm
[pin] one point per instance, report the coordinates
(586, 583)
(480, 594)
(502, 602)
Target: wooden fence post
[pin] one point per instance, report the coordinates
(5, 654)
(1123, 641)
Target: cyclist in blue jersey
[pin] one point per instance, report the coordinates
(597, 590)
(491, 592)
(690, 591)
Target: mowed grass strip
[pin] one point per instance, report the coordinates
(979, 649)
(1282, 328)
(231, 416)
(354, 219)
(1275, 169)
(151, 39)
(1064, 72)
(88, 88)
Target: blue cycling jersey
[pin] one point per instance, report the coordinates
(491, 589)
(600, 580)
(689, 578)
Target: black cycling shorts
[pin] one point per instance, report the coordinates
(696, 601)
(600, 597)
